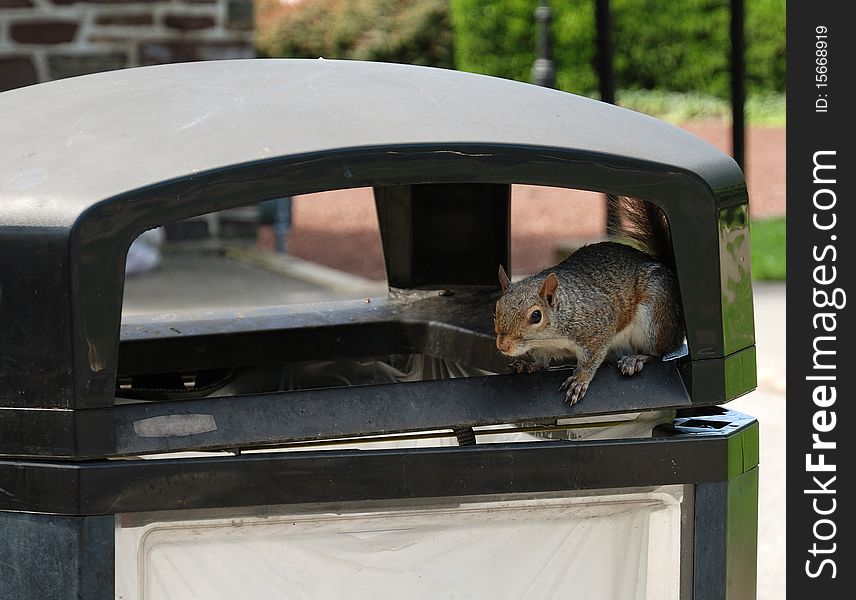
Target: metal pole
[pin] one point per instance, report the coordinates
(543, 72)
(606, 81)
(603, 23)
(738, 83)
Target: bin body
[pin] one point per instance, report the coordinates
(440, 149)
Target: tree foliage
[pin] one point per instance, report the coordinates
(405, 31)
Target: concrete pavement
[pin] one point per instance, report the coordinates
(239, 278)
(767, 404)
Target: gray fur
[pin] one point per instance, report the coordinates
(610, 296)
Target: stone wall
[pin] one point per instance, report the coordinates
(42, 40)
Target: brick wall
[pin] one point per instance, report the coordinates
(42, 40)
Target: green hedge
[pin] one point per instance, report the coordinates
(659, 44)
(405, 31)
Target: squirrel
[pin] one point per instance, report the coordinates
(605, 296)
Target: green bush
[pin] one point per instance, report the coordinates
(495, 37)
(404, 31)
(659, 44)
(765, 46)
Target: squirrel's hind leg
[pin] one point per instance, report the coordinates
(632, 364)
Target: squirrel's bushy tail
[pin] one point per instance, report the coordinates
(644, 224)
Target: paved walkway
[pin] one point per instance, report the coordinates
(767, 404)
(207, 280)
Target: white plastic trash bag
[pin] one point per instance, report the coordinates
(145, 252)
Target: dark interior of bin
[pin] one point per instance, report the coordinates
(442, 245)
(262, 361)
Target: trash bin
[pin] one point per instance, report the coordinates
(112, 485)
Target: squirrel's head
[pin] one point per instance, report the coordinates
(524, 313)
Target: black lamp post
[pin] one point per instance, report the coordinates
(738, 84)
(543, 72)
(603, 24)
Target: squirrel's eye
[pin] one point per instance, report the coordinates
(535, 317)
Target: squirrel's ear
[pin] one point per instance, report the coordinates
(503, 279)
(548, 289)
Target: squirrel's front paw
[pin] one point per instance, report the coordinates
(576, 388)
(522, 366)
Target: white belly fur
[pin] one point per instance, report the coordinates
(633, 338)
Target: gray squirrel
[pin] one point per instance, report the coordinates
(605, 297)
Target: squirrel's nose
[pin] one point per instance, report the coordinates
(503, 343)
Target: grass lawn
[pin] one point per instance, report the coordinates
(768, 249)
(677, 108)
